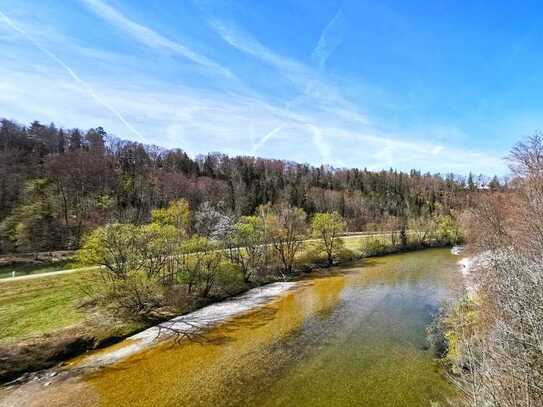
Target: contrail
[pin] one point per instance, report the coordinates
(71, 72)
(320, 143)
(267, 137)
(149, 37)
(331, 37)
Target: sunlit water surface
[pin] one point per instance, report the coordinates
(355, 338)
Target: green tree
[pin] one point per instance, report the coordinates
(33, 225)
(132, 258)
(447, 229)
(201, 266)
(115, 247)
(249, 240)
(176, 214)
(287, 227)
(161, 246)
(494, 184)
(328, 227)
(471, 183)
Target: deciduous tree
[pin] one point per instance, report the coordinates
(328, 227)
(287, 228)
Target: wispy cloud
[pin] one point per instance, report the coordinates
(315, 93)
(244, 42)
(331, 38)
(320, 142)
(70, 71)
(199, 122)
(303, 77)
(151, 38)
(322, 116)
(267, 137)
(332, 123)
(312, 121)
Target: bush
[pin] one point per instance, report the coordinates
(375, 247)
(136, 297)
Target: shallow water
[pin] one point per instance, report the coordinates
(355, 338)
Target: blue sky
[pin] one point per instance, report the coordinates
(444, 86)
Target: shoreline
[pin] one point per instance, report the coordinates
(54, 382)
(194, 322)
(468, 265)
(145, 337)
(191, 323)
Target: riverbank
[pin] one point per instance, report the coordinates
(189, 326)
(351, 335)
(19, 361)
(458, 317)
(57, 304)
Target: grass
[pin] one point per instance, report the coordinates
(355, 243)
(42, 305)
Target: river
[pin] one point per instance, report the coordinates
(354, 337)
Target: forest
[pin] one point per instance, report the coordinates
(58, 184)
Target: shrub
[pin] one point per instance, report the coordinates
(375, 247)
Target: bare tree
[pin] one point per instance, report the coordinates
(499, 351)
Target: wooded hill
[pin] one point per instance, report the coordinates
(57, 184)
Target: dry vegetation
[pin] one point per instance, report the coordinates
(496, 337)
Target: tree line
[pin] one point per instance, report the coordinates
(58, 184)
(163, 265)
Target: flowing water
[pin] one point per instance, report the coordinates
(356, 337)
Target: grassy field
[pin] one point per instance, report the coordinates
(355, 243)
(42, 305)
(38, 306)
